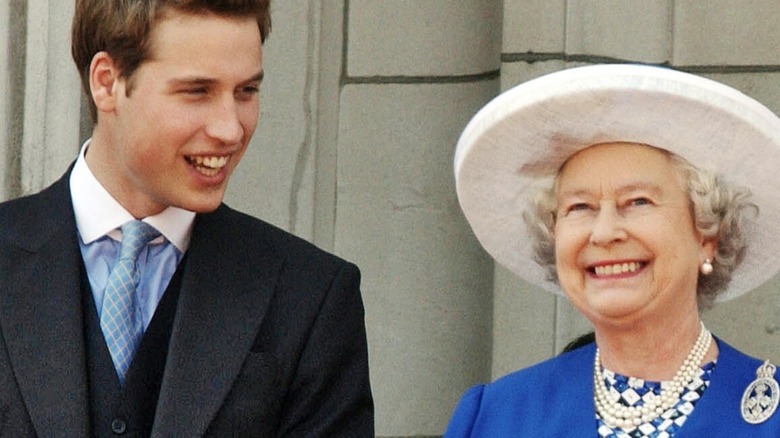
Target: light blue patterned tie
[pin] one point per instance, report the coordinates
(121, 323)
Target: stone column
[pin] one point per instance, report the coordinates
(52, 95)
(415, 73)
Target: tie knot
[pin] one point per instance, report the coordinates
(135, 235)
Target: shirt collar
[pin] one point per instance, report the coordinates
(98, 214)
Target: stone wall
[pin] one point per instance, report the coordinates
(362, 104)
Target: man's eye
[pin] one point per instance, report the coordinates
(248, 91)
(196, 91)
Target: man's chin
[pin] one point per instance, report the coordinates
(204, 208)
(201, 205)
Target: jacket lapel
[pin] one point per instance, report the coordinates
(227, 284)
(41, 313)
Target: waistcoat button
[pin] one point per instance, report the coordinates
(118, 426)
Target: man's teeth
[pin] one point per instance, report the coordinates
(212, 162)
(209, 166)
(618, 268)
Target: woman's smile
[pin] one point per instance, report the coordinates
(619, 269)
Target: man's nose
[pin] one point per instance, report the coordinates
(224, 123)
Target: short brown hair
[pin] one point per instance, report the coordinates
(122, 28)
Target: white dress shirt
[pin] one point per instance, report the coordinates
(98, 219)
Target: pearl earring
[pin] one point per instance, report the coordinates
(706, 267)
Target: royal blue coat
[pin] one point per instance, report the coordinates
(555, 399)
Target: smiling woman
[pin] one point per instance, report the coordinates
(637, 237)
(625, 204)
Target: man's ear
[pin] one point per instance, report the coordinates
(104, 78)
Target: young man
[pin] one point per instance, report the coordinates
(223, 325)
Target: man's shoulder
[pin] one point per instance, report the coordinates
(27, 204)
(30, 217)
(253, 234)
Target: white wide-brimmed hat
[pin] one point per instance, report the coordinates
(518, 141)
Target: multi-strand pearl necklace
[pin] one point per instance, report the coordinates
(615, 414)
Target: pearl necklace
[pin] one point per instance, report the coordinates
(615, 414)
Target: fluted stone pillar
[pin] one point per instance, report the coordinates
(12, 49)
(5, 99)
(52, 95)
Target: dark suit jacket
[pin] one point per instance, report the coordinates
(268, 339)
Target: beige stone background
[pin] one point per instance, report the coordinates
(362, 105)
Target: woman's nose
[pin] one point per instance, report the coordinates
(607, 227)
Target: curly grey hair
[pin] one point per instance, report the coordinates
(718, 208)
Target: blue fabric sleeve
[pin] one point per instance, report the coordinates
(465, 414)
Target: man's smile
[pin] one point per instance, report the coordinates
(208, 165)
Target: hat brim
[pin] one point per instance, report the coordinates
(518, 141)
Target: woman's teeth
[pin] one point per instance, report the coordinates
(617, 268)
